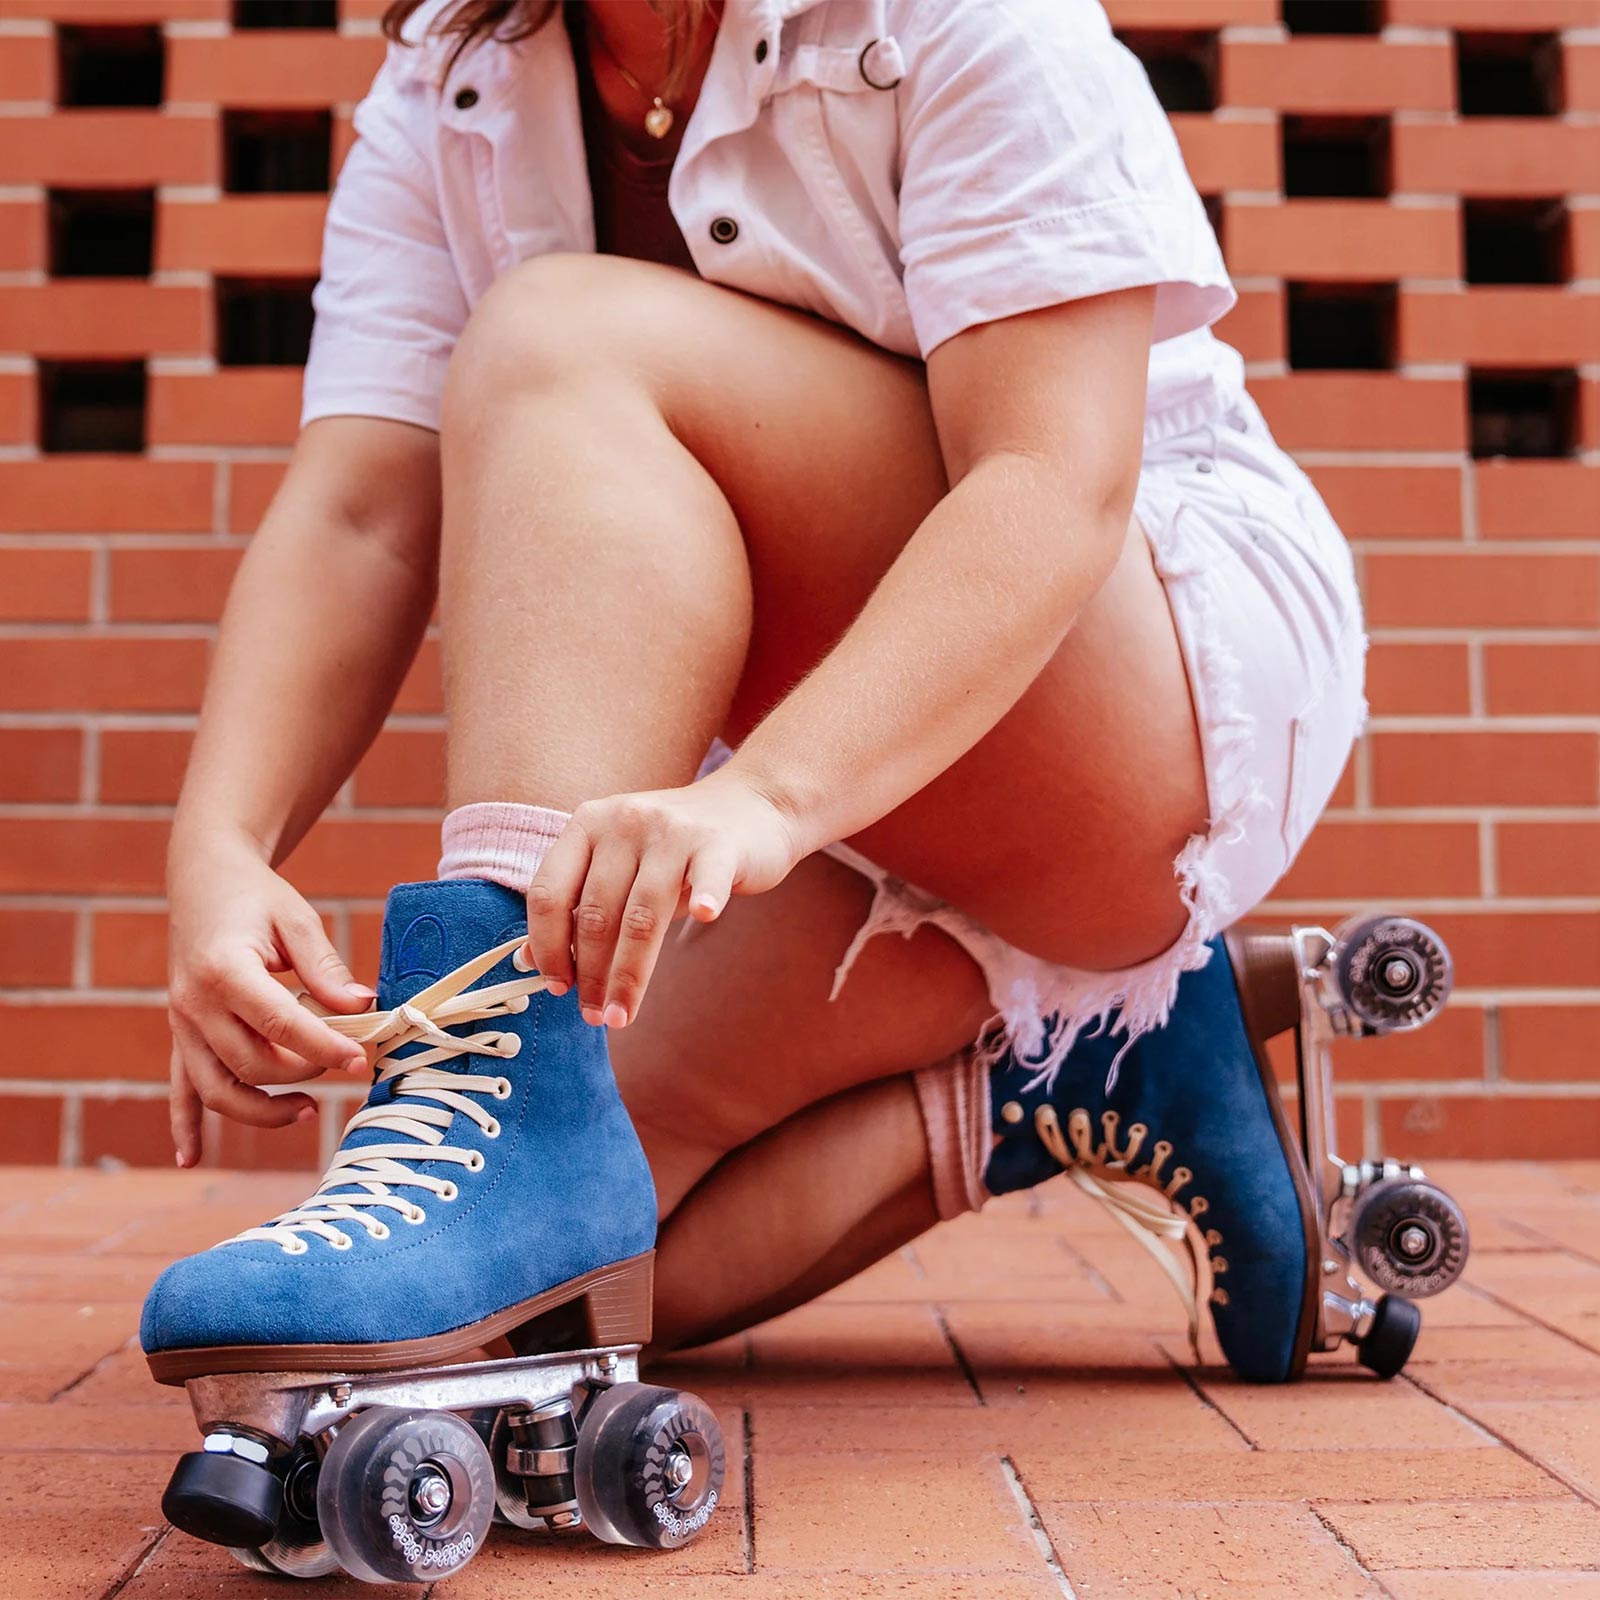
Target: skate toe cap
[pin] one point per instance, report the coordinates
(218, 1297)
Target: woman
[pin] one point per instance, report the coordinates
(854, 403)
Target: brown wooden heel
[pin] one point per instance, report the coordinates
(620, 1305)
(1267, 971)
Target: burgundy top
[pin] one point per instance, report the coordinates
(631, 214)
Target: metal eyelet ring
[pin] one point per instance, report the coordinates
(416, 1215)
(502, 1089)
(341, 1241)
(449, 1192)
(380, 1230)
(297, 1247)
(475, 1162)
(866, 77)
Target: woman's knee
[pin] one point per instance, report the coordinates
(558, 323)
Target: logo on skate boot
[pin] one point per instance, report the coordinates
(417, 953)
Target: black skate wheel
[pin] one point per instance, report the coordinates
(1409, 1237)
(1394, 973)
(649, 1466)
(405, 1496)
(223, 1499)
(1392, 1336)
(297, 1549)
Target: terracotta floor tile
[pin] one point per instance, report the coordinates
(1542, 1534)
(875, 1512)
(1155, 1549)
(1564, 1435)
(1344, 1410)
(1500, 1585)
(1490, 1473)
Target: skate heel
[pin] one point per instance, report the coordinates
(1266, 968)
(619, 1303)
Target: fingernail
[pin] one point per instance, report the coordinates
(356, 1064)
(591, 1015)
(361, 991)
(181, 1159)
(522, 959)
(558, 988)
(704, 907)
(616, 1016)
(305, 1114)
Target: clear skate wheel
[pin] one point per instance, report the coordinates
(1409, 1237)
(297, 1549)
(405, 1496)
(1393, 972)
(1391, 1338)
(649, 1466)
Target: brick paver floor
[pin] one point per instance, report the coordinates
(1002, 1412)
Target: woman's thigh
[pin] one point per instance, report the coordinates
(740, 1030)
(1059, 829)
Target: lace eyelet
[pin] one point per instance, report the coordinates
(416, 1216)
(448, 1192)
(296, 1247)
(341, 1241)
(510, 1045)
(491, 1130)
(380, 1230)
(475, 1162)
(502, 1089)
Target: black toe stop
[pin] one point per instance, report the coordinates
(1392, 1336)
(223, 1499)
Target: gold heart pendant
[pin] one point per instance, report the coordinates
(658, 120)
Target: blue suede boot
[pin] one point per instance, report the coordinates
(1194, 1116)
(492, 1188)
(1191, 1142)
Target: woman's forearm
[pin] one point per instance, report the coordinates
(961, 624)
(323, 620)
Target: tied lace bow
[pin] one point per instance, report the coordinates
(362, 1180)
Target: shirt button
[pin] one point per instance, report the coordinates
(761, 52)
(724, 230)
(1202, 466)
(466, 99)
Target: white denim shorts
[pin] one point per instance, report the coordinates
(1263, 591)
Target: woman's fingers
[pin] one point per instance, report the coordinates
(651, 905)
(281, 1020)
(248, 1056)
(606, 887)
(184, 1108)
(220, 1091)
(551, 898)
(317, 964)
(711, 875)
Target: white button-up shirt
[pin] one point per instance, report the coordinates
(908, 168)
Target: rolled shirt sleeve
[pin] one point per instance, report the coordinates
(390, 304)
(1037, 167)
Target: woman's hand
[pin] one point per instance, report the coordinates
(234, 921)
(624, 868)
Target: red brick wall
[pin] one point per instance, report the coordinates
(1420, 293)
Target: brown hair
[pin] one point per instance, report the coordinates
(472, 22)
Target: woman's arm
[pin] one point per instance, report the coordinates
(1041, 421)
(323, 619)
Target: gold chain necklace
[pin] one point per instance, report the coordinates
(659, 119)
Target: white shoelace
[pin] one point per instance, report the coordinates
(371, 1173)
(1125, 1191)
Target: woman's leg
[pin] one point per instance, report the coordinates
(639, 467)
(793, 1213)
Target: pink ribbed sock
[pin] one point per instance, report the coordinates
(498, 840)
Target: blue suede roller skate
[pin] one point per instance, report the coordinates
(491, 1195)
(1192, 1143)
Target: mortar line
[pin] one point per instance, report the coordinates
(958, 1355)
(1041, 1537)
(140, 1562)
